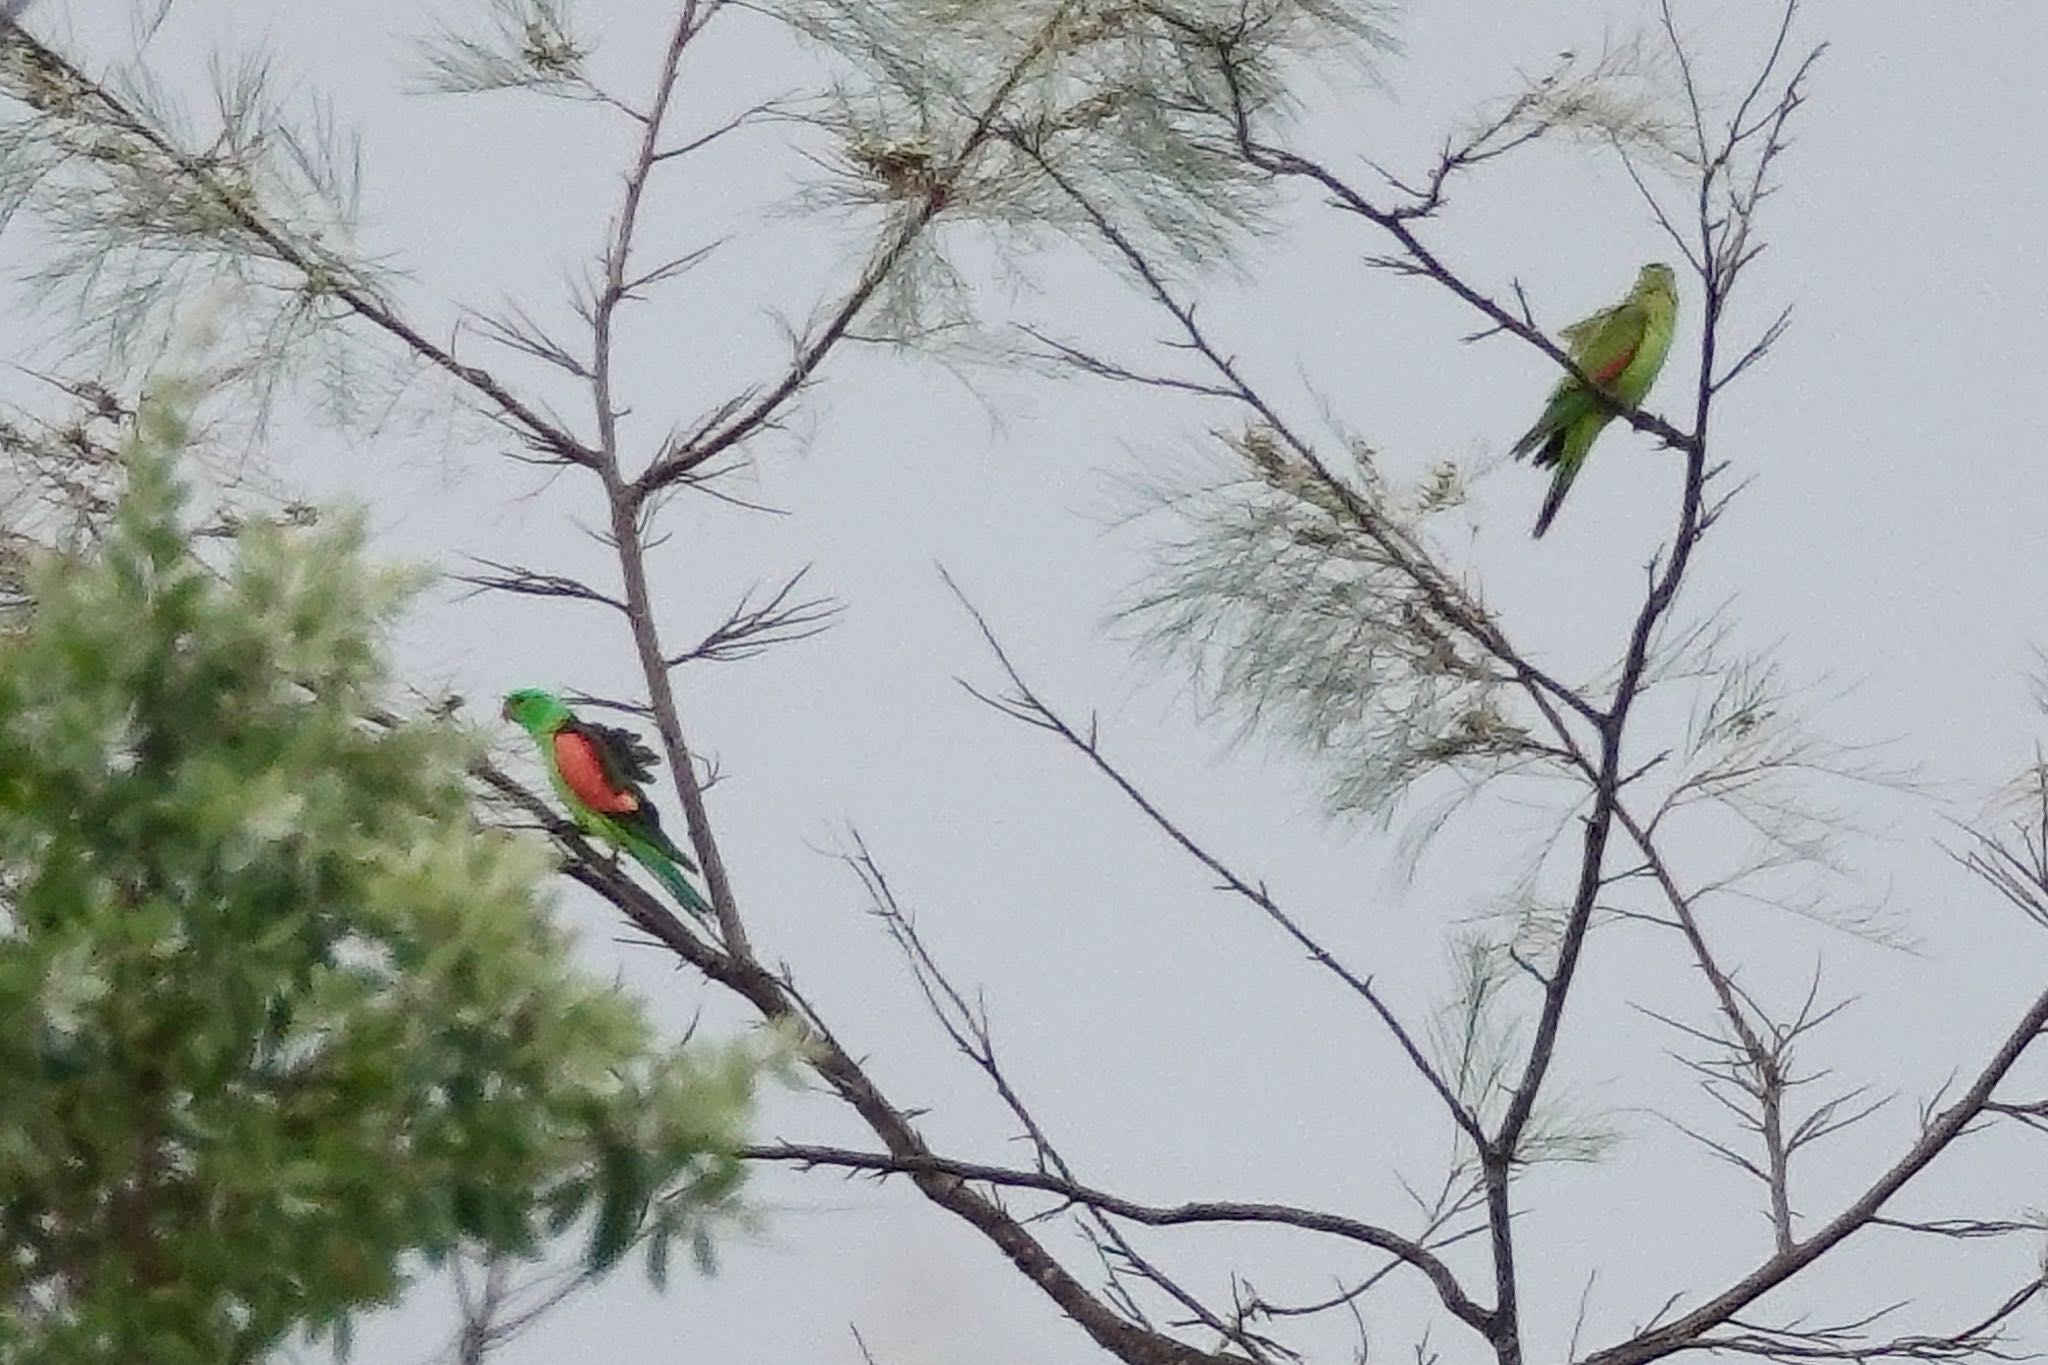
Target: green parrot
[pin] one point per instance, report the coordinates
(1621, 349)
(597, 770)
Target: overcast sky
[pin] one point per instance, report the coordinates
(1888, 550)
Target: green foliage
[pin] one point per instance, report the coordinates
(1310, 626)
(530, 45)
(277, 1015)
(1034, 114)
(148, 216)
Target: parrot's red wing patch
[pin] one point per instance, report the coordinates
(583, 769)
(1611, 371)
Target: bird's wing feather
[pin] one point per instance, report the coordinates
(1604, 353)
(627, 761)
(1575, 334)
(587, 773)
(626, 755)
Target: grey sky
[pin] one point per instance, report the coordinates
(1889, 547)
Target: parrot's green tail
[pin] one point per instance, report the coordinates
(670, 876)
(1560, 484)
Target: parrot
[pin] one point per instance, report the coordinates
(598, 771)
(1621, 349)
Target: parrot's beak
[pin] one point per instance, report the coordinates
(506, 710)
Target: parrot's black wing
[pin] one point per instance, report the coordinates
(628, 762)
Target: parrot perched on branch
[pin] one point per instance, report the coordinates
(1621, 349)
(598, 771)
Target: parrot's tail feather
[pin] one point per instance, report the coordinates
(671, 877)
(1553, 500)
(1552, 451)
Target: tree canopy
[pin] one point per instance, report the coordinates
(277, 1012)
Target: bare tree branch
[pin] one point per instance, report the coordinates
(537, 430)
(1690, 1329)
(754, 627)
(525, 582)
(1408, 1253)
(812, 353)
(1025, 705)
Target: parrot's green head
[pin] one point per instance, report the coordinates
(535, 711)
(1658, 278)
